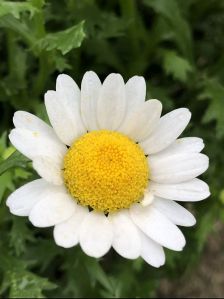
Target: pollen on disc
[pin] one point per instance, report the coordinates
(106, 171)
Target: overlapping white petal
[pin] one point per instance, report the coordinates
(96, 234)
(111, 106)
(175, 212)
(177, 168)
(90, 90)
(141, 121)
(184, 146)
(49, 169)
(36, 143)
(66, 234)
(21, 201)
(169, 128)
(157, 227)
(152, 252)
(55, 206)
(193, 190)
(63, 109)
(135, 91)
(126, 240)
(30, 122)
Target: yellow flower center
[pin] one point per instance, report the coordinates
(106, 171)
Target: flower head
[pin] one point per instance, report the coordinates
(111, 169)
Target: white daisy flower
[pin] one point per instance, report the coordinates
(111, 169)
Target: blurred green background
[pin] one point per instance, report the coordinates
(178, 46)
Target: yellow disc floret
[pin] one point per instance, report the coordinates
(106, 171)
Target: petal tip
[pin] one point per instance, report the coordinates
(186, 113)
(12, 135)
(64, 80)
(114, 77)
(90, 73)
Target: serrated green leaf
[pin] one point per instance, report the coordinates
(65, 40)
(61, 63)
(24, 284)
(176, 66)
(15, 160)
(21, 282)
(16, 8)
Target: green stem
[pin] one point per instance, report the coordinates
(128, 10)
(44, 66)
(10, 46)
(42, 75)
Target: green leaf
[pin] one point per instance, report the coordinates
(8, 21)
(16, 8)
(65, 40)
(112, 26)
(21, 282)
(61, 63)
(169, 10)
(38, 3)
(3, 143)
(24, 284)
(19, 235)
(204, 227)
(214, 91)
(5, 183)
(97, 274)
(15, 160)
(176, 66)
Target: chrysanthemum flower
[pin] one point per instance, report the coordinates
(111, 169)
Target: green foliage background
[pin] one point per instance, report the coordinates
(178, 47)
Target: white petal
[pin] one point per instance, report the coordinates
(177, 168)
(22, 200)
(30, 122)
(96, 234)
(194, 190)
(169, 128)
(90, 89)
(126, 239)
(135, 92)
(184, 146)
(66, 234)
(32, 144)
(111, 106)
(63, 109)
(55, 207)
(140, 122)
(49, 169)
(156, 226)
(152, 252)
(175, 212)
